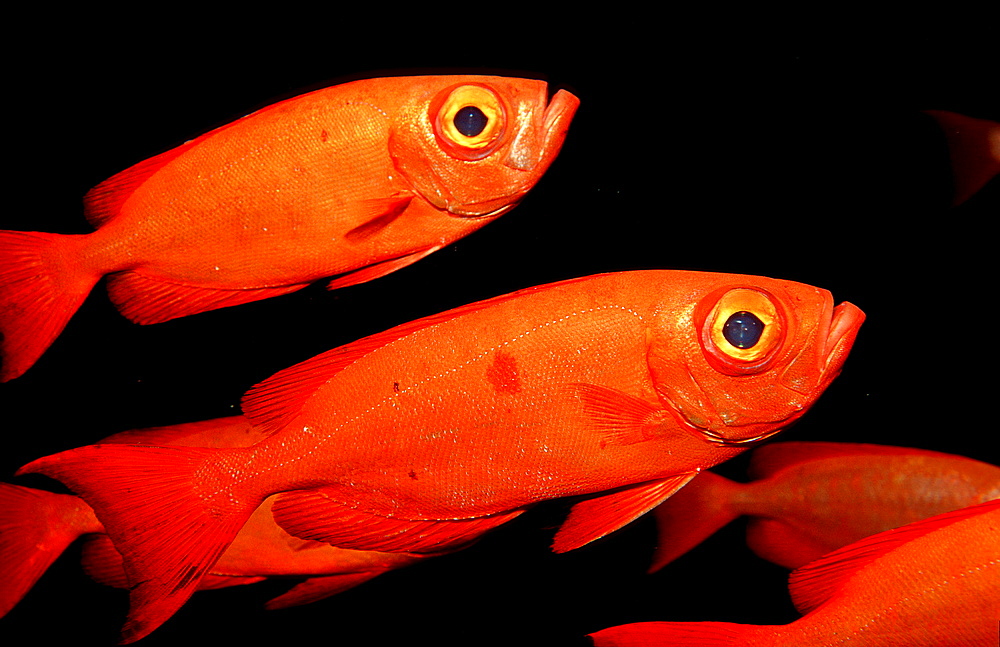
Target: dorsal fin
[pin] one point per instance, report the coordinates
(272, 404)
(774, 457)
(813, 584)
(104, 201)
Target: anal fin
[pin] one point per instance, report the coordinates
(314, 514)
(147, 300)
(602, 515)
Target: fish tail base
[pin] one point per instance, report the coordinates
(168, 520)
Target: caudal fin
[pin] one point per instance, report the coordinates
(692, 515)
(169, 526)
(677, 634)
(40, 288)
(35, 528)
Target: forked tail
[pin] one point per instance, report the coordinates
(41, 286)
(167, 518)
(35, 528)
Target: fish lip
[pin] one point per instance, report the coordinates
(843, 327)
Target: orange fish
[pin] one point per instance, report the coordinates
(37, 526)
(425, 436)
(355, 180)
(932, 583)
(811, 498)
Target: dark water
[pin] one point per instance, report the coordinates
(789, 158)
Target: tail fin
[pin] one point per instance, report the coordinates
(40, 289)
(35, 528)
(677, 634)
(692, 515)
(169, 525)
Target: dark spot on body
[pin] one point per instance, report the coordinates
(395, 387)
(412, 475)
(323, 136)
(502, 374)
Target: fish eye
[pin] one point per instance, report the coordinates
(743, 330)
(469, 121)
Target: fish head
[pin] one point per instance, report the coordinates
(473, 146)
(739, 358)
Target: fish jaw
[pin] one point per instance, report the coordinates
(491, 184)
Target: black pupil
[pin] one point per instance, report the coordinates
(470, 121)
(743, 329)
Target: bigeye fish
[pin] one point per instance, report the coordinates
(931, 583)
(353, 181)
(619, 387)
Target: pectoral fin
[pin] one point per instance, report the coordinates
(377, 214)
(620, 418)
(597, 517)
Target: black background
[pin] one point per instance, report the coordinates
(790, 154)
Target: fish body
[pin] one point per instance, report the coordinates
(811, 498)
(425, 436)
(932, 583)
(37, 526)
(352, 181)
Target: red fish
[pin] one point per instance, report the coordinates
(932, 583)
(37, 526)
(811, 498)
(431, 433)
(356, 180)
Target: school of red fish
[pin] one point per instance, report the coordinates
(620, 389)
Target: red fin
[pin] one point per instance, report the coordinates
(317, 588)
(212, 581)
(148, 300)
(690, 516)
(601, 515)
(104, 201)
(232, 431)
(621, 418)
(102, 563)
(377, 270)
(40, 289)
(774, 457)
(312, 514)
(35, 528)
(377, 215)
(671, 634)
(814, 583)
(168, 533)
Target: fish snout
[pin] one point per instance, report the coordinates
(540, 133)
(820, 362)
